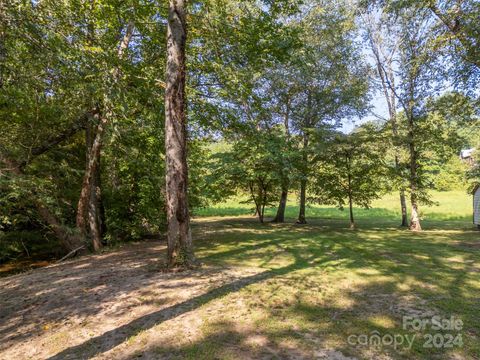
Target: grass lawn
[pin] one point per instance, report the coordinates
(265, 291)
(323, 282)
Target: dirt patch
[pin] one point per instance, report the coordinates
(59, 309)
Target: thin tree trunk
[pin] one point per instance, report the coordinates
(94, 222)
(179, 238)
(280, 216)
(303, 193)
(303, 183)
(350, 204)
(387, 78)
(414, 216)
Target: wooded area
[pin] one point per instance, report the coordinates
(124, 120)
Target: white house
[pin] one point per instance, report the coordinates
(476, 205)
(466, 154)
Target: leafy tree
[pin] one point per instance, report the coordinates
(351, 169)
(331, 82)
(254, 165)
(383, 39)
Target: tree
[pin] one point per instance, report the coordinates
(383, 39)
(351, 169)
(179, 238)
(333, 80)
(89, 207)
(254, 165)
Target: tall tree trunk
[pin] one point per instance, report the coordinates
(385, 72)
(89, 208)
(179, 238)
(303, 183)
(350, 197)
(414, 216)
(93, 158)
(393, 118)
(94, 207)
(280, 216)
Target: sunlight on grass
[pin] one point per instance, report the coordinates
(452, 205)
(324, 282)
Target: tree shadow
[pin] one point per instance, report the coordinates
(115, 337)
(447, 282)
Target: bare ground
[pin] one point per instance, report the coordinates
(97, 306)
(87, 307)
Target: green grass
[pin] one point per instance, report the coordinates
(452, 205)
(321, 283)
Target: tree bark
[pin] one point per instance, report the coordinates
(93, 159)
(94, 206)
(89, 208)
(387, 79)
(179, 239)
(414, 216)
(280, 216)
(350, 204)
(303, 183)
(303, 195)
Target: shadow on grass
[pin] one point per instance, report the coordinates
(111, 339)
(436, 261)
(424, 259)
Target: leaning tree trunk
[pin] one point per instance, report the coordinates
(179, 239)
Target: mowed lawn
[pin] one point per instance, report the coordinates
(322, 282)
(264, 291)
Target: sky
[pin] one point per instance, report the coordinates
(379, 107)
